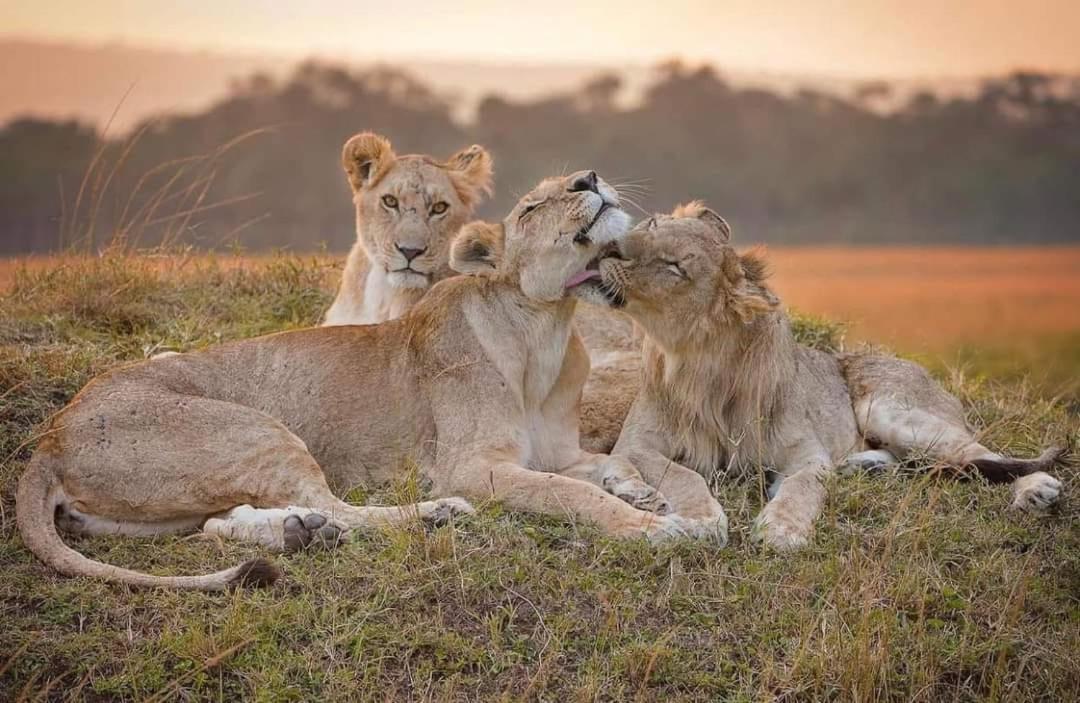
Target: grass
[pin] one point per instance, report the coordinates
(914, 587)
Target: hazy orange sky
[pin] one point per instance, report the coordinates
(890, 38)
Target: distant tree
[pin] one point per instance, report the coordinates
(599, 93)
(261, 165)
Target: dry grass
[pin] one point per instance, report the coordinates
(914, 588)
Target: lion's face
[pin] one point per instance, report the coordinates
(677, 274)
(408, 208)
(551, 240)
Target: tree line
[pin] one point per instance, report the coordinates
(260, 168)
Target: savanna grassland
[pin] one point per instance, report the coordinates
(915, 587)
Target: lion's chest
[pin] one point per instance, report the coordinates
(382, 301)
(712, 440)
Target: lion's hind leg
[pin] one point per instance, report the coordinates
(900, 409)
(73, 521)
(289, 529)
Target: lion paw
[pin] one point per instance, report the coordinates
(640, 495)
(780, 531)
(1035, 492)
(312, 531)
(439, 512)
(665, 528)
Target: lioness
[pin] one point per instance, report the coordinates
(726, 387)
(408, 208)
(476, 386)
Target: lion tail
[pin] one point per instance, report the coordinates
(39, 495)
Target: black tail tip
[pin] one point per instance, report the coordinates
(256, 574)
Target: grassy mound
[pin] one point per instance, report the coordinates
(914, 588)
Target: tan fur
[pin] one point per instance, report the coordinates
(379, 283)
(477, 387)
(726, 390)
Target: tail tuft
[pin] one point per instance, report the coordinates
(1005, 469)
(1054, 456)
(256, 573)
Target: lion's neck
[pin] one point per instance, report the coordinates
(365, 296)
(722, 398)
(525, 339)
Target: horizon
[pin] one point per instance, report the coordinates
(296, 57)
(875, 40)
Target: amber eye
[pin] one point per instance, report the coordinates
(389, 201)
(439, 208)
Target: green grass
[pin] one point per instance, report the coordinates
(913, 587)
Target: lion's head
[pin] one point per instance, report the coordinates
(551, 241)
(408, 208)
(679, 277)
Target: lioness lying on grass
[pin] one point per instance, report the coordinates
(408, 209)
(727, 388)
(477, 386)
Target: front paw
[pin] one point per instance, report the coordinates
(665, 528)
(440, 512)
(640, 495)
(1035, 492)
(780, 529)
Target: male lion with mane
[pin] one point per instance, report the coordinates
(477, 386)
(726, 388)
(408, 209)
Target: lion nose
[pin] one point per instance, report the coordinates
(408, 253)
(586, 180)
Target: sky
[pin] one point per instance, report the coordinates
(879, 38)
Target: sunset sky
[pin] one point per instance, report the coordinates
(889, 38)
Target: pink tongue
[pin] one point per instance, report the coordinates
(578, 278)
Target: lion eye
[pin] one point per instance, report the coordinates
(389, 201)
(439, 208)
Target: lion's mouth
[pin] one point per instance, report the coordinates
(583, 233)
(592, 269)
(408, 277)
(593, 277)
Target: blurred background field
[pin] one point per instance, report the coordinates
(1006, 311)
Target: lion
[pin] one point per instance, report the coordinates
(408, 208)
(477, 387)
(725, 387)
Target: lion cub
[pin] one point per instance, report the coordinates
(408, 208)
(726, 387)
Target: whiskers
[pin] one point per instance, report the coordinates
(615, 280)
(631, 191)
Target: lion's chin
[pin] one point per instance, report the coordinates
(408, 279)
(595, 292)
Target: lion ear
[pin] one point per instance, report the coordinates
(750, 300)
(477, 248)
(365, 157)
(470, 171)
(742, 288)
(698, 210)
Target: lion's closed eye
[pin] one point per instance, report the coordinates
(529, 209)
(675, 268)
